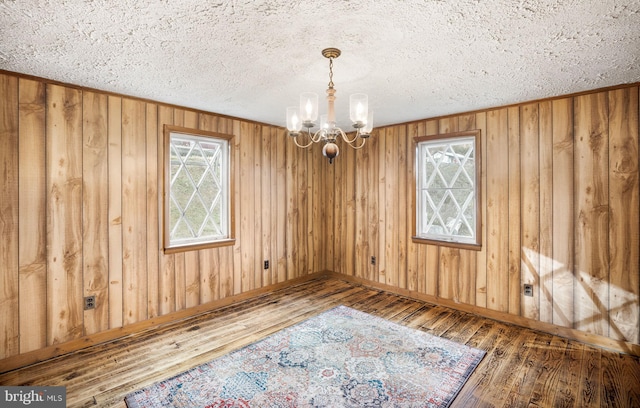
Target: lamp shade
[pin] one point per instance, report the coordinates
(294, 124)
(368, 127)
(358, 109)
(308, 106)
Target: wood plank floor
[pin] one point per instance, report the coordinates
(522, 368)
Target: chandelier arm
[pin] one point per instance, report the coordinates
(295, 140)
(351, 142)
(316, 136)
(358, 147)
(344, 137)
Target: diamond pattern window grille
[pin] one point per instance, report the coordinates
(446, 196)
(199, 189)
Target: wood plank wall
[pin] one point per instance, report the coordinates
(560, 188)
(81, 206)
(80, 214)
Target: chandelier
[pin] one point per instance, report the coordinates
(307, 113)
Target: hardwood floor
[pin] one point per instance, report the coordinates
(522, 368)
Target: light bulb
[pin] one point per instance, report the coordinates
(308, 107)
(294, 124)
(358, 109)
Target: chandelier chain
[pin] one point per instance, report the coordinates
(330, 72)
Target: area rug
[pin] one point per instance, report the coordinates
(339, 358)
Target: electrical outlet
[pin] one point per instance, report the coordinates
(89, 302)
(528, 289)
(266, 264)
(373, 260)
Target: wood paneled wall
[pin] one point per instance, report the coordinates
(559, 211)
(80, 213)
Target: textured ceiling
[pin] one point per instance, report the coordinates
(251, 59)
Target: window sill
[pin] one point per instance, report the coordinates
(197, 247)
(452, 244)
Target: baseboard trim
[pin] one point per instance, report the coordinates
(572, 334)
(57, 350)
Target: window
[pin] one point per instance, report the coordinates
(198, 208)
(447, 196)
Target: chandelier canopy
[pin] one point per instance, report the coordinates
(306, 116)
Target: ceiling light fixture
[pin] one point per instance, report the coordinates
(307, 114)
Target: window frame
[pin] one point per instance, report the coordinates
(166, 178)
(422, 239)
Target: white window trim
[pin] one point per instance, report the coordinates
(443, 239)
(227, 237)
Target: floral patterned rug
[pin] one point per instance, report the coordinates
(340, 358)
